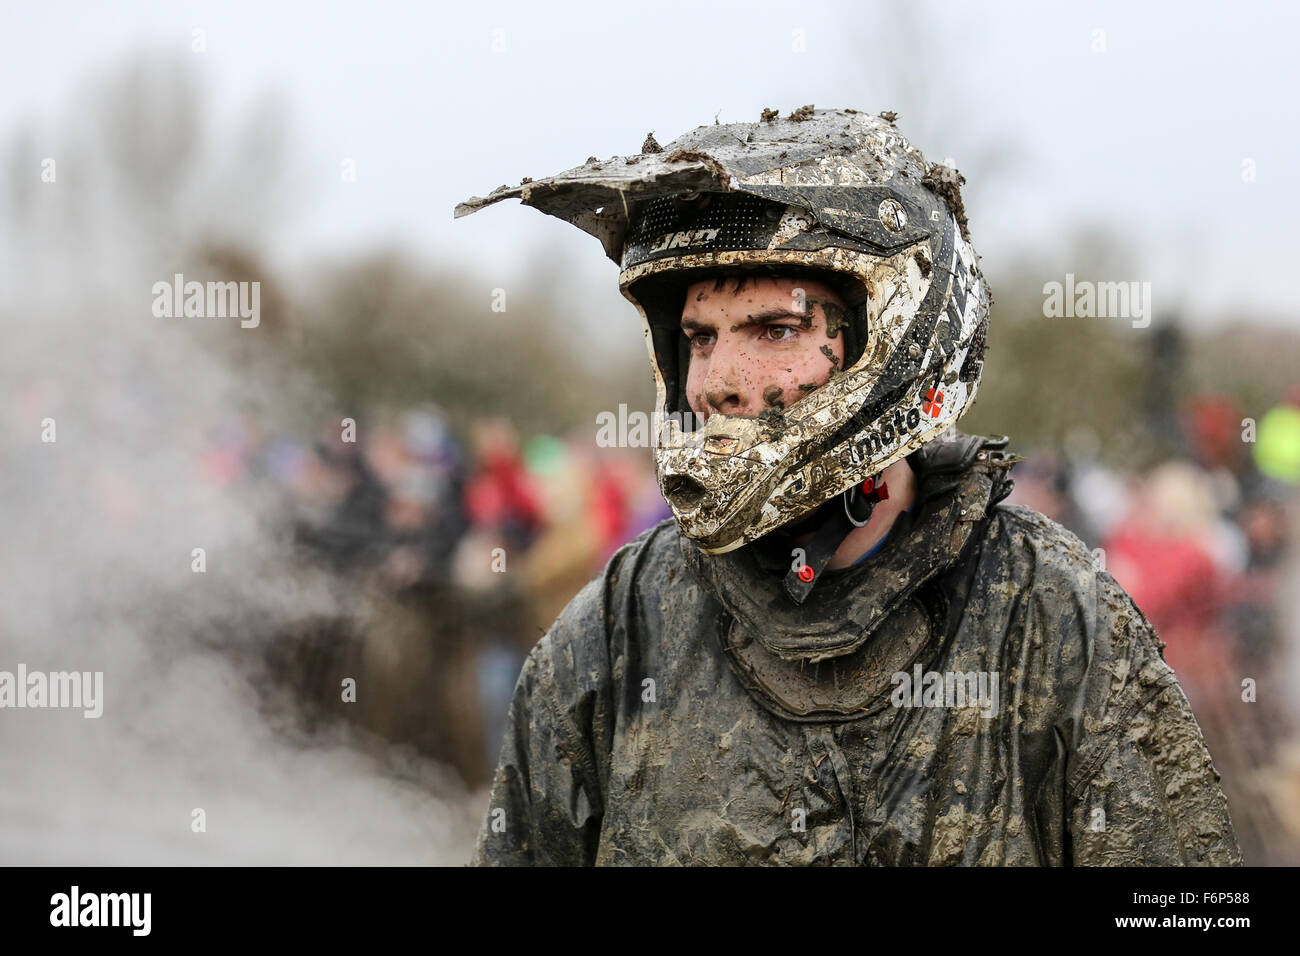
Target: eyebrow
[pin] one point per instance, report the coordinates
(757, 318)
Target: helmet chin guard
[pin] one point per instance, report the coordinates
(840, 195)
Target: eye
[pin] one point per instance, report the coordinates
(772, 331)
(701, 340)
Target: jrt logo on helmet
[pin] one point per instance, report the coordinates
(674, 240)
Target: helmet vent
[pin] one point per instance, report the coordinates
(683, 491)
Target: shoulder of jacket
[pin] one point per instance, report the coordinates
(1036, 537)
(1096, 649)
(1049, 561)
(624, 569)
(578, 640)
(1057, 550)
(644, 554)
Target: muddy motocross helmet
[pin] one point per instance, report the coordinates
(838, 194)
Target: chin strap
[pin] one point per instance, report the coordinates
(857, 505)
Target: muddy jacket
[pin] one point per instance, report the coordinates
(1011, 706)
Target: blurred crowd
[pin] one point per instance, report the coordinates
(1204, 543)
(470, 548)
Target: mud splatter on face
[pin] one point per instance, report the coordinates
(836, 318)
(747, 375)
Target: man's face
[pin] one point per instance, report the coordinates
(765, 345)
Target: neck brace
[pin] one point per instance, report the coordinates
(830, 658)
(957, 483)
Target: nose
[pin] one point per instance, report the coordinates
(724, 399)
(723, 387)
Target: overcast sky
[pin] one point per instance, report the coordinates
(1145, 137)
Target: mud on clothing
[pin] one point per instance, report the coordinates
(654, 724)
